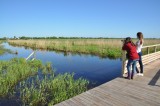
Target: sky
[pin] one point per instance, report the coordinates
(80, 18)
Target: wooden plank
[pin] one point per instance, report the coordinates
(70, 103)
(121, 98)
(79, 101)
(95, 99)
(76, 102)
(86, 101)
(62, 104)
(108, 96)
(130, 88)
(143, 94)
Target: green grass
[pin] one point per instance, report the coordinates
(36, 84)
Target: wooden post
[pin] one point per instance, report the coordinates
(155, 48)
(147, 50)
(123, 62)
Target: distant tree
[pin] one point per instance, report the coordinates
(15, 37)
(23, 37)
(4, 38)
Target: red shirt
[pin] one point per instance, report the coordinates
(131, 50)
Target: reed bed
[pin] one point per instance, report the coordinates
(35, 84)
(101, 47)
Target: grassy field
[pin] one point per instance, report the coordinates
(35, 84)
(101, 47)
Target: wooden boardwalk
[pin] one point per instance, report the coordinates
(141, 91)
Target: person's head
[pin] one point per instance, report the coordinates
(128, 39)
(140, 35)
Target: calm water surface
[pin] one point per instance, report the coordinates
(96, 69)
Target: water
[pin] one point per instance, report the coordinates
(96, 69)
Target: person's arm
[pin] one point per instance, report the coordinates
(124, 47)
(141, 42)
(137, 43)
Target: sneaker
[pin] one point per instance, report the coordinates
(141, 74)
(138, 74)
(127, 78)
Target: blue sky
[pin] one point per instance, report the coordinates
(80, 18)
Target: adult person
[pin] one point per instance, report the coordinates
(139, 45)
(132, 56)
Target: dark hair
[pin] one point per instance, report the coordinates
(129, 39)
(140, 35)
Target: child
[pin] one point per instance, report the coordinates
(130, 47)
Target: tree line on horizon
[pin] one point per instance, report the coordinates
(54, 37)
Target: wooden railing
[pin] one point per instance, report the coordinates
(149, 57)
(33, 54)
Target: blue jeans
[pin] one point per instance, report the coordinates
(133, 64)
(140, 63)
